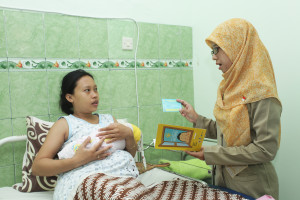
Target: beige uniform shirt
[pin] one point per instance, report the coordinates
(260, 177)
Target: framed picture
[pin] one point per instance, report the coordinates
(179, 137)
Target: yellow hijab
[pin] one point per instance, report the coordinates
(249, 79)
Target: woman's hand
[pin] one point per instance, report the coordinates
(188, 111)
(115, 131)
(84, 155)
(197, 154)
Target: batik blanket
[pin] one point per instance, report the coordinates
(103, 187)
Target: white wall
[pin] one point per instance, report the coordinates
(277, 22)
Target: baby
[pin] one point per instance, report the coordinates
(69, 150)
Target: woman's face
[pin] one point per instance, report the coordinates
(222, 60)
(85, 98)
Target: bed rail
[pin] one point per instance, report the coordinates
(12, 139)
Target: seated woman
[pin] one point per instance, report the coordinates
(79, 99)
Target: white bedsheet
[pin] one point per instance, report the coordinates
(8, 193)
(149, 178)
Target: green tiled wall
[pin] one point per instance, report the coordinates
(28, 92)
(37, 49)
(24, 34)
(61, 36)
(2, 36)
(116, 31)
(97, 47)
(148, 41)
(169, 41)
(4, 95)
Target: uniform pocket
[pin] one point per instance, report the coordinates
(247, 174)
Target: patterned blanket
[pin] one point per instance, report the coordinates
(101, 186)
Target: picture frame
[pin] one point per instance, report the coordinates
(179, 137)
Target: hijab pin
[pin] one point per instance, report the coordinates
(244, 98)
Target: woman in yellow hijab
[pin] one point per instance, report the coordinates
(247, 112)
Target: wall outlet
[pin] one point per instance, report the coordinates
(127, 43)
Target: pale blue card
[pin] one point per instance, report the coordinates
(171, 105)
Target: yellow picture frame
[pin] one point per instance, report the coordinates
(179, 137)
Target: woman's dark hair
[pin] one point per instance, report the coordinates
(68, 85)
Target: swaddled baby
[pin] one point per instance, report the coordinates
(69, 150)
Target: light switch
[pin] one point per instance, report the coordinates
(127, 43)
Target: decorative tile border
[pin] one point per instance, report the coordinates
(23, 63)
(96, 63)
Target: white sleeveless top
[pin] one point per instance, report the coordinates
(120, 163)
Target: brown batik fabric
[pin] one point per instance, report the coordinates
(37, 131)
(103, 187)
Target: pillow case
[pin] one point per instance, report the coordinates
(37, 131)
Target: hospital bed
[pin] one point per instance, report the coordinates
(149, 178)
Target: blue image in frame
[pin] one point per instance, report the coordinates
(176, 137)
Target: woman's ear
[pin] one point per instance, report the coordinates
(69, 98)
